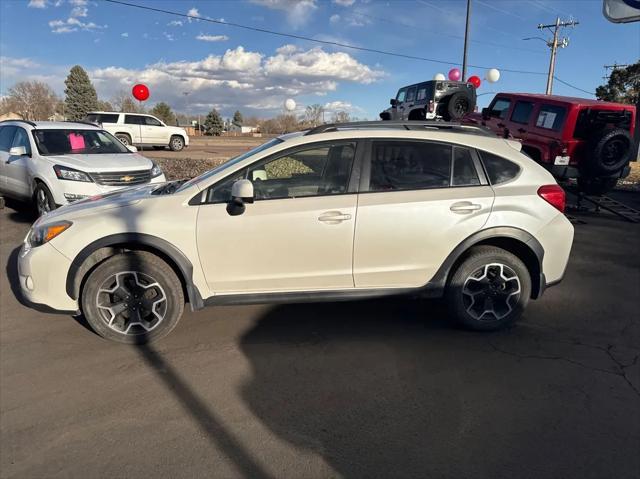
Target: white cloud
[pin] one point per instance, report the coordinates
(37, 4)
(12, 66)
(168, 36)
(193, 12)
(335, 18)
(175, 23)
(298, 11)
(72, 23)
(78, 3)
(344, 3)
(124, 35)
(212, 38)
(338, 106)
(79, 12)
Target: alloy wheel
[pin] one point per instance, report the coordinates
(42, 202)
(491, 292)
(131, 302)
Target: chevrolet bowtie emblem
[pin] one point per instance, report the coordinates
(127, 179)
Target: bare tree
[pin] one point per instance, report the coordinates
(313, 115)
(123, 101)
(33, 100)
(341, 117)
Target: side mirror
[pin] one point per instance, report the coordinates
(18, 151)
(486, 113)
(131, 148)
(241, 193)
(393, 102)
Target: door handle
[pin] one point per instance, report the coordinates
(465, 207)
(333, 217)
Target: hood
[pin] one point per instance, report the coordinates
(98, 203)
(103, 162)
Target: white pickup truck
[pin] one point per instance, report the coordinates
(140, 130)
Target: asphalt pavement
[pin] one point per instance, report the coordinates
(383, 388)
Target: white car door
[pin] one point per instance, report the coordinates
(6, 139)
(296, 236)
(133, 125)
(17, 166)
(414, 209)
(154, 132)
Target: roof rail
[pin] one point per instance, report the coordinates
(406, 125)
(28, 122)
(83, 122)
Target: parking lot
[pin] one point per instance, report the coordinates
(383, 388)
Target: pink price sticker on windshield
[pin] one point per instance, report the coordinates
(77, 141)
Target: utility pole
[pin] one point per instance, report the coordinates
(466, 42)
(554, 44)
(613, 68)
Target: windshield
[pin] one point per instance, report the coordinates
(231, 162)
(77, 142)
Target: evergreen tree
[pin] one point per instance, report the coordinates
(623, 85)
(164, 113)
(81, 97)
(237, 118)
(213, 124)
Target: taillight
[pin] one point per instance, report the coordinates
(430, 106)
(554, 195)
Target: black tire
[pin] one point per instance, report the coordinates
(384, 116)
(459, 105)
(176, 143)
(43, 202)
(418, 114)
(609, 152)
(466, 288)
(124, 138)
(159, 147)
(133, 298)
(596, 186)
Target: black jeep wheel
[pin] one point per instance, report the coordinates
(458, 106)
(610, 151)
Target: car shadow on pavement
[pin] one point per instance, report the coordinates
(22, 212)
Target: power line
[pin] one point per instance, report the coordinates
(573, 86)
(309, 39)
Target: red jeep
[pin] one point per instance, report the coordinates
(573, 137)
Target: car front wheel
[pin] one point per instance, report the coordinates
(489, 290)
(133, 298)
(43, 200)
(176, 143)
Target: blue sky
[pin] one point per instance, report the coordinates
(229, 68)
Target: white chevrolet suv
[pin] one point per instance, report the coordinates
(339, 212)
(140, 129)
(56, 163)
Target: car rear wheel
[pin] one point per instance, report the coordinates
(133, 298)
(489, 290)
(176, 143)
(43, 200)
(124, 138)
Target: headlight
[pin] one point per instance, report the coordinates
(64, 173)
(156, 170)
(41, 234)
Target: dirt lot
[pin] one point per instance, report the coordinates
(371, 389)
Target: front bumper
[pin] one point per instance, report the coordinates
(42, 273)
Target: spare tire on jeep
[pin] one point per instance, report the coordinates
(609, 152)
(458, 105)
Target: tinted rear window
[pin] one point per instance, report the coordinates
(551, 117)
(499, 170)
(522, 112)
(103, 117)
(134, 120)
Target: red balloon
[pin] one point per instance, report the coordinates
(474, 80)
(140, 92)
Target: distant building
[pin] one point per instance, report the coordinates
(242, 129)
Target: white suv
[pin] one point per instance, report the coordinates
(340, 212)
(56, 163)
(140, 130)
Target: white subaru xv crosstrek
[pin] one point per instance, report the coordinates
(340, 212)
(56, 163)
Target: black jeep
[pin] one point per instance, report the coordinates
(431, 100)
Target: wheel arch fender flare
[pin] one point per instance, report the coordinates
(501, 236)
(90, 255)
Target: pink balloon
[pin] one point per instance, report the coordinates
(454, 74)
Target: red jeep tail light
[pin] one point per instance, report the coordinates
(554, 195)
(430, 106)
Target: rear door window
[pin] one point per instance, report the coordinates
(409, 165)
(103, 117)
(499, 170)
(500, 108)
(464, 170)
(6, 137)
(522, 112)
(551, 117)
(134, 120)
(150, 121)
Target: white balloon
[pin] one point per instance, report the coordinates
(439, 76)
(493, 75)
(289, 104)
